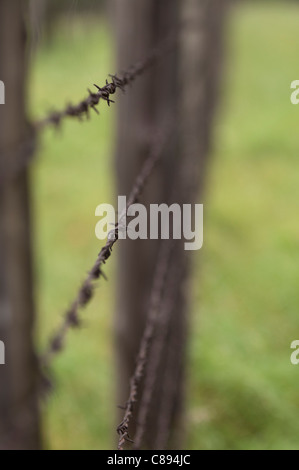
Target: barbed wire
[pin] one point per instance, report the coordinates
(150, 326)
(104, 93)
(156, 352)
(85, 294)
(15, 159)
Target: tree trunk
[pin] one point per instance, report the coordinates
(183, 84)
(19, 423)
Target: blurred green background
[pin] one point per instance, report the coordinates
(242, 389)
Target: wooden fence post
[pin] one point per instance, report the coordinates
(19, 421)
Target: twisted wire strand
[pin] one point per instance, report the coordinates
(104, 93)
(14, 160)
(86, 292)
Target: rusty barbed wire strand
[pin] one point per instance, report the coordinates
(9, 167)
(85, 294)
(149, 330)
(156, 351)
(104, 93)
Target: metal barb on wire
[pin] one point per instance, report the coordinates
(109, 89)
(83, 297)
(14, 160)
(85, 294)
(150, 326)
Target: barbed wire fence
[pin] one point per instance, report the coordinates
(104, 93)
(161, 344)
(158, 317)
(86, 291)
(25, 150)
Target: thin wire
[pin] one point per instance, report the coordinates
(85, 294)
(15, 159)
(104, 93)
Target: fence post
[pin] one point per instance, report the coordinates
(185, 84)
(141, 26)
(19, 423)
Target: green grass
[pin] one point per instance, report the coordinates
(243, 387)
(243, 390)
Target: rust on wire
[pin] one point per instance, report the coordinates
(109, 89)
(85, 294)
(16, 159)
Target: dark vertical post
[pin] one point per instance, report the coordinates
(19, 422)
(141, 26)
(184, 84)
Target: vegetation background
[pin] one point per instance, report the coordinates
(242, 388)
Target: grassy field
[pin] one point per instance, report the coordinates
(242, 390)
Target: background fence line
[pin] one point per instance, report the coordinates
(158, 304)
(169, 393)
(156, 300)
(155, 353)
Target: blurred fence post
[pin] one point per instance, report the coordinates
(19, 421)
(185, 84)
(142, 25)
(200, 71)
